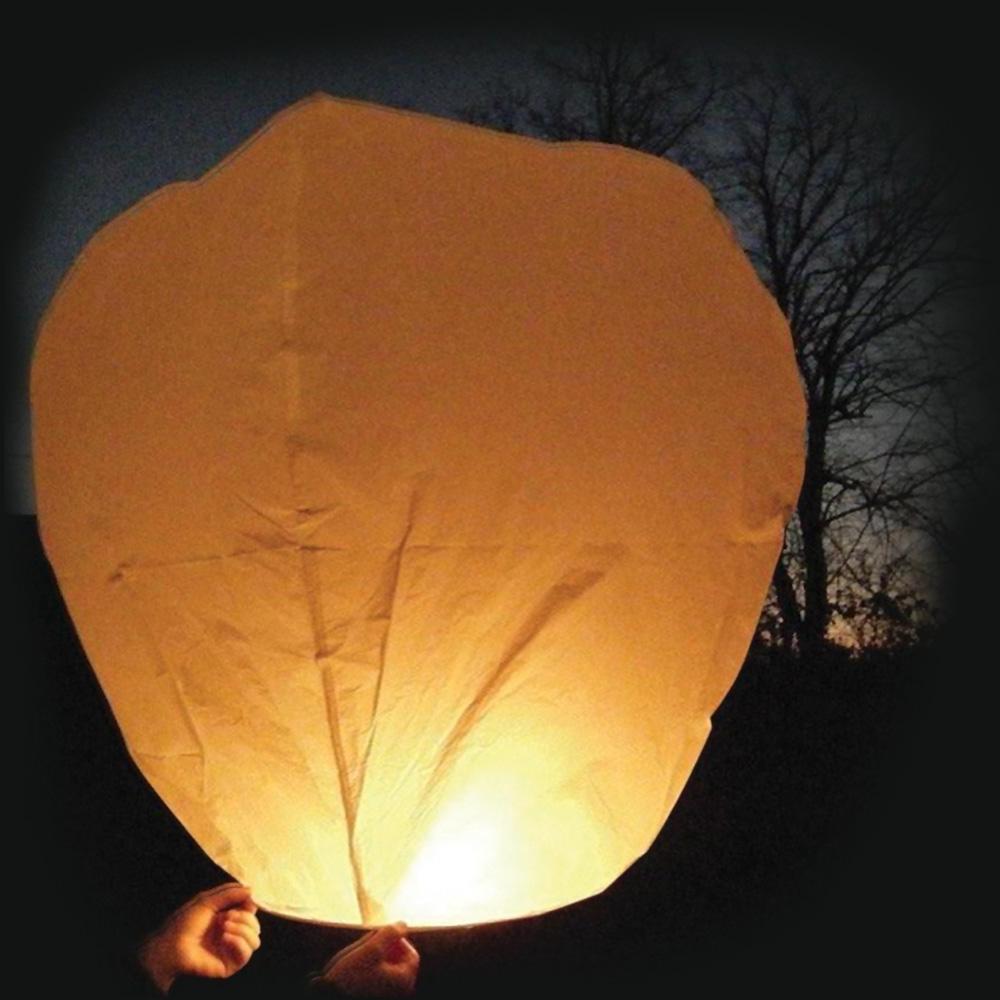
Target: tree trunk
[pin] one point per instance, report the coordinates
(788, 605)
(816, 616)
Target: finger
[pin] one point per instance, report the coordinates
(400, 951)
(240, 916)
(223, 897)
(348, 950)
(385, 937)
(232, 928)
(238, 949)
(361, 942)
(403, 978)
(249, 906)
(208, 895)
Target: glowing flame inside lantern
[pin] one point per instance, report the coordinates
(487, 851)
(464, 865)
(414, 490)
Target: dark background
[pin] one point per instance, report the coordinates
(832, 837)
(824, 836)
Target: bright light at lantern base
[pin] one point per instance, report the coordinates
(463, 867)
(492, 855)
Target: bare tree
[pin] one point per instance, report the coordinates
(613, 87)
(848, 222)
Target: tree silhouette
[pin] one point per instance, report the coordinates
(638, 92)
(848, 221)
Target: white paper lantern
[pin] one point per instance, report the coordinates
(414, 489)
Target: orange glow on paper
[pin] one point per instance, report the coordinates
(414, 489)
(457, 865)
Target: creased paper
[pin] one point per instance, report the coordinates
(414, 489)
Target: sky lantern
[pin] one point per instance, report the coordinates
(414, 489)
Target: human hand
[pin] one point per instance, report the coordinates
(212, 935)
(381, 964)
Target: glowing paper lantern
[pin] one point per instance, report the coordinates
(414, 489)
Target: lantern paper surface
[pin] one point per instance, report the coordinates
(414, 489)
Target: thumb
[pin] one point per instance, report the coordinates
(386, 939)
(400, 951)
(224, 897)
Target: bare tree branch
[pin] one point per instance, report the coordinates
(849, 221)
